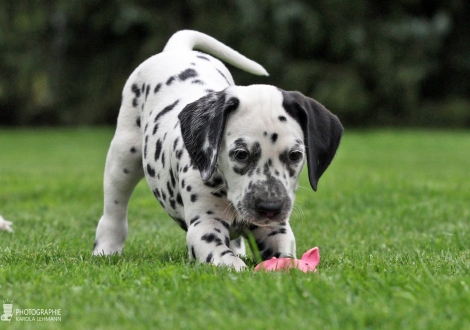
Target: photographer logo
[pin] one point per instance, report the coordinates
(7, 311)
(30, 314)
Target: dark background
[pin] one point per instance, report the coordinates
(373, 63)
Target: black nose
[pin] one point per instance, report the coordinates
(269, 208)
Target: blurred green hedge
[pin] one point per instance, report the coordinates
(387, 63)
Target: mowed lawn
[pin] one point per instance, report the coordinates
(391, 218)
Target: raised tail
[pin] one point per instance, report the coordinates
(187, 40)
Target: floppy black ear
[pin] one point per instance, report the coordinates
(202, 127)
(322, 132)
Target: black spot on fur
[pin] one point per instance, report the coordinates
(203, 57)
(157, 88)
(226, 252)
(183, 183)
(187, 74)
(163, 159)
(163, 195)
(227, 240)
(166, 110)
(147, 91)
(197, 82)
(175, 144)
(116, 202)
(170, 80)
(241, 143)
(133, 150)
(221, 73)
(193, 220)
(217, 230)
(137, 121)
(179, 153)
(193, 253)
(172, 204)
(209, 212)
(273, 233)
(194, 198)
(155, 128)
(209, 238)
(266, 169)
(158, 149)
(170, 190)
(145, 146)
(125, 170)
(282, 118)
(156, 193)
(135, 89)
(185, 169)
(209, 257)
(188, 188)
(150, 170)
(255, 155)
(172, 178)
(224, 223)
(274, 137)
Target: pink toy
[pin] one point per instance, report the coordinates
(307, 263)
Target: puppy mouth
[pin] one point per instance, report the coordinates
(252, 217)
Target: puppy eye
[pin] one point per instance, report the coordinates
(295, 156)
(241, 155)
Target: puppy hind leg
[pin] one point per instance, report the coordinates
(123, 171)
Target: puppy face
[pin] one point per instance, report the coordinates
(261, 156)
(258, 138)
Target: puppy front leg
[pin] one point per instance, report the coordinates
(274, 241)
(209, 240)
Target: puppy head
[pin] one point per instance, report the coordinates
(258, 138)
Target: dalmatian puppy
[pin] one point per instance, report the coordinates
(222, 160)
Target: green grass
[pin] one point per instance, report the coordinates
(391, 219)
